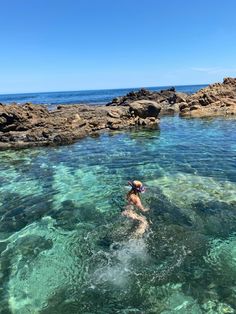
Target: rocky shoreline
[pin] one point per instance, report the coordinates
(31, 125)
(218, 99)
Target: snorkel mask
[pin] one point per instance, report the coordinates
(137, 186)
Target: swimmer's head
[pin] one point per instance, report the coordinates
(137, 186)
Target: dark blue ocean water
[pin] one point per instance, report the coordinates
(87, 96)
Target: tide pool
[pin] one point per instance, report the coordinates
(66, 248)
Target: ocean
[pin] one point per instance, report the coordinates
(93, 97)
(65, 247)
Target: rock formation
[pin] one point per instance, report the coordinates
(34, 125)
(215, 100)
(168, 99)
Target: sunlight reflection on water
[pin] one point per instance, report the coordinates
(66, 248)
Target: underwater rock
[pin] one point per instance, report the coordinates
(187, 189)
(16, 217)
(214, 306)
(222, 255)
(39, 267)
(168, 299)
(199, 202)
(28, 247)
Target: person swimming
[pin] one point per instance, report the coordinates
(133, 198)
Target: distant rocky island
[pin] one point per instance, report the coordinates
(31, 125)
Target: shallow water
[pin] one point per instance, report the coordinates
(66, 248)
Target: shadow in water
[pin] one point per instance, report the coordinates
(17, 212)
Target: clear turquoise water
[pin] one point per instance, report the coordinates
(66, 248)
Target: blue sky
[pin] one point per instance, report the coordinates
(52, 45)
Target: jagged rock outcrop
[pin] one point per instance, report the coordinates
(167, 99)
(34, 125)
(215, 100)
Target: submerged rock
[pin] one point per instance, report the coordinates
(222, 256)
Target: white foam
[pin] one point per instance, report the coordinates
(119, 266)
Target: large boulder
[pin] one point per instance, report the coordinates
(145, 108)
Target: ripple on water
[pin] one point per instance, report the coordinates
(65, 248)
(35, 278)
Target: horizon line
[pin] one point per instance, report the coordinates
(102, 89)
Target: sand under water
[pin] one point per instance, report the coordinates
(66, 248)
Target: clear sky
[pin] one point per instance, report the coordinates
(53, 45)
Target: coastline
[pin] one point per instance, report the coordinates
(90, 97)
(32, 125)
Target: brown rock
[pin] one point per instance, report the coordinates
(33, 125)
(183, 105)
(145, 108)
(165, 98)
(215, 100)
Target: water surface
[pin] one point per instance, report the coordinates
(65, 247)
(87, 96)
